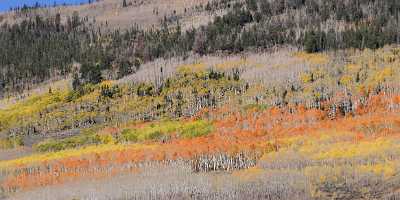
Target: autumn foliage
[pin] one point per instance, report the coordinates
(246, 136)
(325, 122)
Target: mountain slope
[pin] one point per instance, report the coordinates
(277, 99)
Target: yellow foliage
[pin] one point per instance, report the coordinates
(313, 58)
(107, 139)
(346, 80)
(195, 67)
(6, 144)
(341, 150)
(352, 68)
(383, 74)
(387, 169)
(230, 64)
(90, 97)
(107, 83)
(37, 158)
(28, 109)
(306, 77)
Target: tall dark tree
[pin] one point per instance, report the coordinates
(311, 42)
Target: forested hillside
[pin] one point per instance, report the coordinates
(268, 99)
(49, 48)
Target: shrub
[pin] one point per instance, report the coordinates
(129, 135)
(71, 142)
(195, 129)
(79, 92)
(110, 91)
(163, 130)
(49, 145)
(145, 90)
(9, 143)
(154, 135)
(107, 139)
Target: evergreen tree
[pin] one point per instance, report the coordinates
(90, 73)
(311, 42)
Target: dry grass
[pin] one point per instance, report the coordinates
(275, 66)
(140, 12)
(10, 154)
(177, 181)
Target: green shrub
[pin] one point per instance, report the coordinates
(154, 135)
(71, 142)
(107, 91)
(11, 142)
(145, 90)
(49, 145)
(157, 131)
(80, 91)
(196, 129)
(129, 135)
